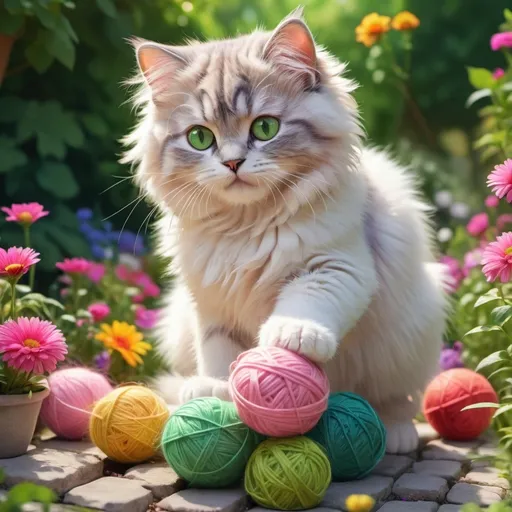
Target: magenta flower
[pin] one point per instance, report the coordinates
(25, 213)
(32, 345)
(74, 265)
(501, 40)
(16, 261)
(498, 73)
(492, 202)
(478, 224)
(96, 272)
(500, 180)
(503, 221)
(123, 272)
(450, 357)
(472, 259)
(99, 311)
(146, 318)
(455, 274)
(497, 259)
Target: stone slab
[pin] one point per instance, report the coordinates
(416, 487)
(393, 465)
(378, 487)
(206, 500)
(448, 469)
(318, 509)
(450, 508)
(409, 506)
(425, 433)
(73, 446)
(60, 471)
(486, 476)
(159, 478)
(111, 494)
(469, 493)
(440, 449)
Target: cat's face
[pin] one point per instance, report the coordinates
(241, 121)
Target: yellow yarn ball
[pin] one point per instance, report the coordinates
(127, 423)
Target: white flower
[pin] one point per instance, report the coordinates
(444, 235)
(459, 210)
(443, 198)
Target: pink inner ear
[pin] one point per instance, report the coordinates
(149, 57)
(296, 37)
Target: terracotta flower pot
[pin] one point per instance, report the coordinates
(18, 418)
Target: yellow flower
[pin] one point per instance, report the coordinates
(359, 503)
(371, 28)
(124, 338)
(405, 20)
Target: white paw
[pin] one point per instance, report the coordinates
(198, 387)
(401, 438)
(308, 338)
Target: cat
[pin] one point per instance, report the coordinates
(284, 230)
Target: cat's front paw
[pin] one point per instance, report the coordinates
(199, 387)
(306, 337)
(401, 438)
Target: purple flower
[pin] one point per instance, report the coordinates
(83, 214)
(102, 361)
(450, 357)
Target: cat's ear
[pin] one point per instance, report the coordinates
(158, 63)
(291, 49)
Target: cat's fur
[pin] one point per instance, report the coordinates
(323, 247)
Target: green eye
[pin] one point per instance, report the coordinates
(265, 128)
(200, 137)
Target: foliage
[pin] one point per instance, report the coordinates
(503, 506)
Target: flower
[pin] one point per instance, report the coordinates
(371, 28)
(472, 259)
(124, 338)
(500, 180)
(503, 221)
(443, 198)
(25, 213)
(32, 345)
(128, 242)
(146, 318)
(405, 20)
(359, 503)
(16, 261)
(454, 272)
(96, 272)
(74, 265)
(450, 357)
(498, 73)
(99, 311)
(84, 214)
(103, 361)
(140, 279)
(478, 224)
(459, 210)
(501, 40)
(497, 259)
(492, 201)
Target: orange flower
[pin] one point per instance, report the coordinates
(405, 20)
(371, 28)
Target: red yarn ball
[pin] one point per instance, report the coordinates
(277, 392)
(448, 394)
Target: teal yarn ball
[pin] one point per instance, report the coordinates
(207, 444)
(352, 434)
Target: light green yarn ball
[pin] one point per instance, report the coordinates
(352, 434)
(207, 444)
(290, 473)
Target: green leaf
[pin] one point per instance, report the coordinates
(108, 7)
(23, 288)
(45, 16)
(62, 48)
(484, 328)
(480, 78)
(12, 109)
(482, 405)
(71, 242)
(476, 96)
(50, 251)
(10, 156)
(502, 410)
(13, 5)
(491, 359)
(507, 13)
(68, 318)
(95, 124)
(501, 315)
(27, 492)
(490, 296)
(57, 179)
(11, 23)
(37, 53)
(496, 138)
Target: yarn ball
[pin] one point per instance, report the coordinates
(127, 423)
(352, 434)
(277, 392)
(74, 391)
(207, 444)
(288, 474)
(448, 393)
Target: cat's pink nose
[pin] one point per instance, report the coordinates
(234, 165)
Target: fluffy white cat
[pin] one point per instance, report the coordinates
(283, 230)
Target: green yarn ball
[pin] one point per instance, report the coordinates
(352, 434)
(291, 473)
(207, 444)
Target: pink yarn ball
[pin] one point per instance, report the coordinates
(277, 392)
(74, 391)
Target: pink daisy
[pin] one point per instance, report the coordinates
(492, 202)
(99, 311)
(501, 40)
(497, 259)
(498, 73)
(478, 224)
(145, 318)
(16, 261)
(32, 345)
(96, 272)
(74, 265)
(454, 273)
(500, 180)
(25, 213)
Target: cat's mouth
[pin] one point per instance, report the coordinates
(239, 183)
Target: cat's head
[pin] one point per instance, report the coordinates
(255, 120)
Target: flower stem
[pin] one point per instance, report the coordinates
(32, 274)
(13, 301)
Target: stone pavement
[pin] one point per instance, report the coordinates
(438, 478)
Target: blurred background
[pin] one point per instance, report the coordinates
(63, 107)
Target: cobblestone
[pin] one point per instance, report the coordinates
(85, 447)
(425, 434)
(448, 469)
(393, 465)
(440, 449)
(468, 493)
(420, 487)
(486, 476)
(159, 478)
(411, 506)
(206, 500)
(449, 508)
